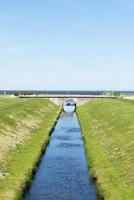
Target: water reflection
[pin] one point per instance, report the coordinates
(69, 106)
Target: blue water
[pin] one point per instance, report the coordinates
(63, 172)
(69, 109)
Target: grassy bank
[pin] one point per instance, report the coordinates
(25, 125)
(108, 131)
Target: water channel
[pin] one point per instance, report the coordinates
(63, 172)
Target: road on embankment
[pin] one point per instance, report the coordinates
(63, 172)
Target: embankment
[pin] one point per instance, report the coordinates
(25, 126)
(108, 131)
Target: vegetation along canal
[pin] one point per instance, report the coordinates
(63, 172)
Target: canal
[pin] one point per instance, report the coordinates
(63, 172)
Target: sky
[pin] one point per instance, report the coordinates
(67, 45)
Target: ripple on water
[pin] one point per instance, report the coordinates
(63, 172)
(63, 137)
(69, 145)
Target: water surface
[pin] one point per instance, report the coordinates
(63, 173)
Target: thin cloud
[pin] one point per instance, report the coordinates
(13, 49)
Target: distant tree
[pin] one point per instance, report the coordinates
(16, 94)
(116, 94)
(26, 93)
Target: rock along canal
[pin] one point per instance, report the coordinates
(63, 172)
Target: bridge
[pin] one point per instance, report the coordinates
(60, 98)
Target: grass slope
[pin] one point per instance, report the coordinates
(25, 126)
(108, 131)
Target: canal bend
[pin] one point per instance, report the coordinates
(63, 172)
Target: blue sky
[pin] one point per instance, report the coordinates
(67, 44)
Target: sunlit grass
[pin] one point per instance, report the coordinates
(108, 130)
(34, 117)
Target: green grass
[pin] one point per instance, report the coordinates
(29, 122)
(108, 131)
